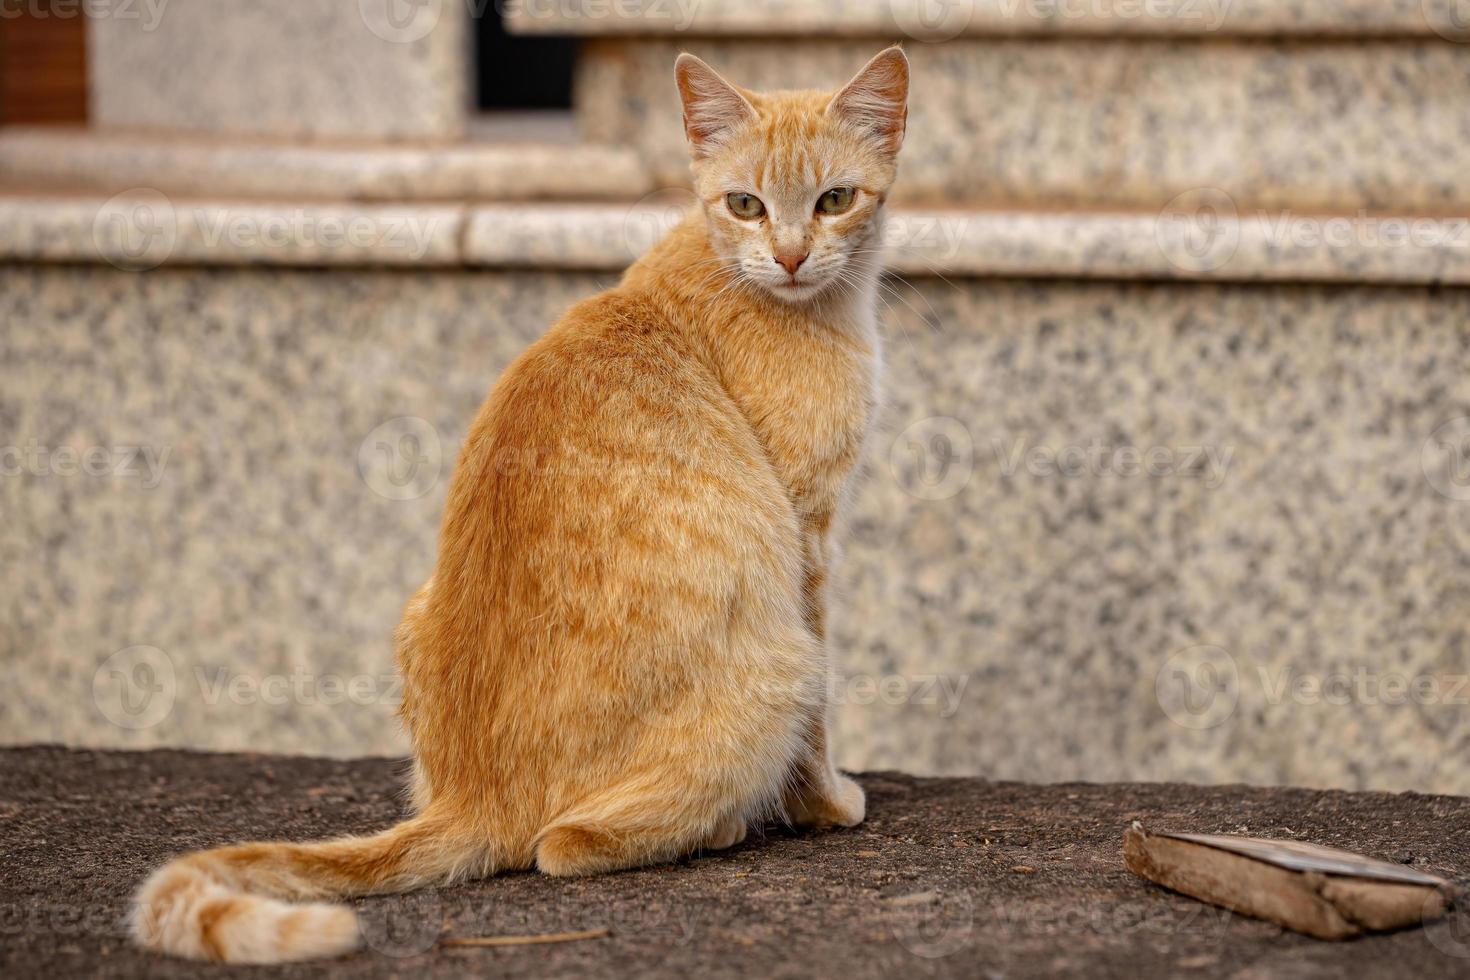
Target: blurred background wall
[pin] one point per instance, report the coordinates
(1172, 482)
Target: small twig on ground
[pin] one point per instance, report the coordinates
(545, 937)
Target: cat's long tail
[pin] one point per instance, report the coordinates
(251, 903)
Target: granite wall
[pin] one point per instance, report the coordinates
(1111, 121)
(1111, 531)
(296, 68)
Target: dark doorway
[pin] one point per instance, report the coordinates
(519, 72)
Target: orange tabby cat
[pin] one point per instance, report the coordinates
(619, 657)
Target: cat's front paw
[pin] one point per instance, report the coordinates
(840, 802)
(729, 833)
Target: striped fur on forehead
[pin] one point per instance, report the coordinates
(794, 142)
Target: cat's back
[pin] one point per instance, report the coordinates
(611, 423)
(610, 366)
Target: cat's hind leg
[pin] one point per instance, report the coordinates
(818, 795)
(710, 763)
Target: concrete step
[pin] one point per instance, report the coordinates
(499, 167)
(929, 21)
(1202, 239)
(1308, 105)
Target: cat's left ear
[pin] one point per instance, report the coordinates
(876, 99)
(713, 108)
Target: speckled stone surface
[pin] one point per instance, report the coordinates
(1301, 124)
(1110, 531)
(46, 157)
(144, 228)
(1200, 237)
(378, 68)
(926, 21)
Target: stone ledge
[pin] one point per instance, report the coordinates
(1212, 242)
(919, 20)
(946, 877)
(115, 162)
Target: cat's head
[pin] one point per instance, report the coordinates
(792, 182)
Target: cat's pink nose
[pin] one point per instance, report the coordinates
(790, 261)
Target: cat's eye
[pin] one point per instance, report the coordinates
(746, 206)
(835, 201)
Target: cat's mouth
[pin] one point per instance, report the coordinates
(793, 291)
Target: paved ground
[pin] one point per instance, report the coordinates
(961, 878)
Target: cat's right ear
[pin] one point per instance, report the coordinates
(713, 108)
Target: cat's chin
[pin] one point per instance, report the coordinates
(794, 292)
